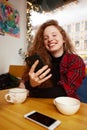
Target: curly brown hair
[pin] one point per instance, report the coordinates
(38, 44)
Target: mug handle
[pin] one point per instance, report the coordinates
(9, 98)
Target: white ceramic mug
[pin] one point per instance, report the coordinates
(16, 95)
(67, 105)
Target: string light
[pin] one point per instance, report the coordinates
(30, 7)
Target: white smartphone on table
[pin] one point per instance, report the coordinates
(43, 120)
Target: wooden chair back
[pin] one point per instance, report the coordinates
(16, 70)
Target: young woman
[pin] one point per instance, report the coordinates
(64, 70)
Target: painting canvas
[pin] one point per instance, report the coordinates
(9, 19)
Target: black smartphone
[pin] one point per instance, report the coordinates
(31, 59)
(43, 120)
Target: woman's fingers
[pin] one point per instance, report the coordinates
(36, 78)
(45, 78)
(34, 66)
(45, 73)
(42, 70)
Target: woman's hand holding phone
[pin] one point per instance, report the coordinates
(40, 76)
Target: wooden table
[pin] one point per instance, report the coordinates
(11, 115)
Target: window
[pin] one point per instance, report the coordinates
(77, 44)
(85, 25)
(69, 28)
(77, 27)
(85, 44)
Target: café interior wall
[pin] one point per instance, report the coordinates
(9, 45)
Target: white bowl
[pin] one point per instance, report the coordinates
(67, 105)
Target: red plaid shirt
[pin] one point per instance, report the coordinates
(72, 72)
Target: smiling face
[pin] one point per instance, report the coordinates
(53, 41)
